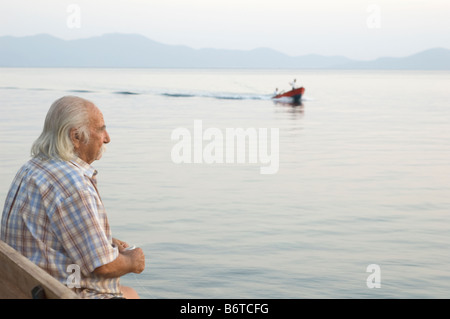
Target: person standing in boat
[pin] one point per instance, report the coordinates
(53, 213)
(293, 84)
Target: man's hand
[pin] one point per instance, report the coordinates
(128, 261)
(136, 255)
(138, 259)
(120, 244)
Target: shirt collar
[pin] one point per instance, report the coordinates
(87, 169)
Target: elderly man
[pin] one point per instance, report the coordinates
(53, 213)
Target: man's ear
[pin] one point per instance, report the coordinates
(75, 138)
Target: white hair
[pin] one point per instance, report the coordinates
(65, 114)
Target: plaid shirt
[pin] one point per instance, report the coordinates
(53, 215)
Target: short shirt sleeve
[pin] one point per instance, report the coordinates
(77, 223)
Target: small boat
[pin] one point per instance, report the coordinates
(295, 95)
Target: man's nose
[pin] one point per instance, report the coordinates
(106, 139)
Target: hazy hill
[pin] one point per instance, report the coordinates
(433, 59)
(132, 50)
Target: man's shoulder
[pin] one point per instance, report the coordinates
(55, 167)
(57, 173)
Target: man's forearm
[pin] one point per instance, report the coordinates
(122, 265)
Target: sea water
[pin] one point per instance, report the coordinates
(358, 208)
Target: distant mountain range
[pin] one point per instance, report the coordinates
(137, 51)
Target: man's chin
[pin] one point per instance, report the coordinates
(101, 152)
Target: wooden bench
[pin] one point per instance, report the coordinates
(22, 279)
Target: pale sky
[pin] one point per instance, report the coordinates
(358, 29)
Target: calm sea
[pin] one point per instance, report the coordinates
(363, 178)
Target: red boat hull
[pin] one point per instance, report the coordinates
(296, 94)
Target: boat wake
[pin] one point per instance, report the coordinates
(218, 96)
(168, 94)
